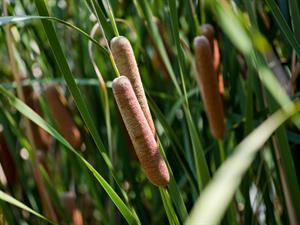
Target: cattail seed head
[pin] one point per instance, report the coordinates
(130, 147)
(127, 66)
(40, 137)
(207, 81)
(209, 32)
(140, 133)
(58, 106)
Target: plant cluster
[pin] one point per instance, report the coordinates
(149, 112)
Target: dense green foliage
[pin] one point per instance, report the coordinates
(250, 176)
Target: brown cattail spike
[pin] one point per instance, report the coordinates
(209, 32)
(57, 104)
(207, 80)
(140, 133)
(130, 147)
(127, 66)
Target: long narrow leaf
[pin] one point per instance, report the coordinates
(11, 200)
(174, 190)
(284, 26)
(15, 19)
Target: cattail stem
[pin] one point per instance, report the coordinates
(127, 66)
(63, 118)
(140, 132)
(207, 81)
(221, 150)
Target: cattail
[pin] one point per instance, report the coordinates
(207, 80)
(63, 118)
(216, 56)
(127, 66)
(208, 31)
(7, 162)
(216, 60)
(130, 147)
(221, 84)
(140, 133)
(68, 201)
(40, 137)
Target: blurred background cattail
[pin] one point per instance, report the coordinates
(208, 85)
(140, 133)
(41, 138)
(62, 116)
(209, 32)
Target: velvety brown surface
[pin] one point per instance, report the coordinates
(140, 132)
(127, 66)
(62, 116)
(207, 80)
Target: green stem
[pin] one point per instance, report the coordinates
(221, 150)
(172, 217)
(112, 60)
(202, 11)
(202, 171)
(112, 19)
